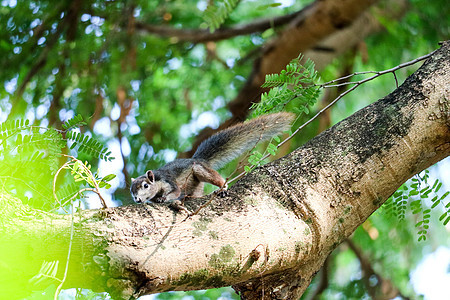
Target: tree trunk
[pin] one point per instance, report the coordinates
(273, 231)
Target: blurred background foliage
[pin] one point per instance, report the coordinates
(146, 92)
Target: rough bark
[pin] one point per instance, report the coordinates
(277, 226)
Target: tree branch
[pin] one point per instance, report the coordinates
(202, 36)
(271, 235)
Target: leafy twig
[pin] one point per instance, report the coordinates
(329, 85)
(90, 179)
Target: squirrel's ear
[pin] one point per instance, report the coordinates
(150, 176)
(132, 179)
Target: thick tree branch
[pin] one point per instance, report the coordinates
(202, 36)
(271, 235)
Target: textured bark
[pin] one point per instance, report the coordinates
(277, 226)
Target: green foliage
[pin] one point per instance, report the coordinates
(417, 192)
(82, 173)
(11, 127)
(27, 158)
(44, 294)
(30, 158)
(69, 192)
(85, 144)
(294, 86)
(88, 145)
(217, 11)
(46, 275)
(69, 74)
(76, 121)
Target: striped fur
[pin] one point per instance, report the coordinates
(226, 145)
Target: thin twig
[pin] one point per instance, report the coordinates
(55, 177)
(377, 73)
(211, 198)
(396, 80)
(97, 188)
(94, 182)
(347, 76)
(68, 258)
(79, 193)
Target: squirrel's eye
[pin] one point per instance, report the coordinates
(146, 186)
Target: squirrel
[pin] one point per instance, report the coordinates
(184, 178)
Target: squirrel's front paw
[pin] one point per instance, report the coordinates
(177, 205)
(159, 199)
(221, 193)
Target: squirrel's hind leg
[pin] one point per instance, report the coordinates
(207, 174)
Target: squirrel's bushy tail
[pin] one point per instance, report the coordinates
(226, 145)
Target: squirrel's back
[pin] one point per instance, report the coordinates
(226, 145)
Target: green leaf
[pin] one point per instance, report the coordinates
(109, 177)
(435, 204)
(101, 184)
(446, 221)
(398, 194)
(76, 166)
(435, 184)
(217, 12)
(438, 187)
(413, 193)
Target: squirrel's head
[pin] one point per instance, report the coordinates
(144, 188)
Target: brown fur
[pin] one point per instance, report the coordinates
(185, 177)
